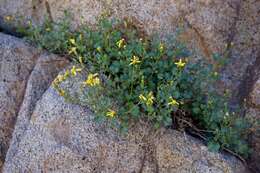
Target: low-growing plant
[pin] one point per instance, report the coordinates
(133, 76)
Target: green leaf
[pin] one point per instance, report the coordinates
(135, 111)
(213, 146)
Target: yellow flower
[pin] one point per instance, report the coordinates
(92, 80)
(66, 74)
(142, 98)
(120, 43)
(8, 18)
(135, 60)
(173, 102)
(150, 99)
(73, 50)
(180, 63)
(60, 78)
(147, 100)
(111, 113)
(80, 36)
(61, 92)
(161, 47)
(72, 41)
(81, 60)
(74, 70)
(99, 49)
(48, 29)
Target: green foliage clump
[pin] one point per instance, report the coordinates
(132, 76)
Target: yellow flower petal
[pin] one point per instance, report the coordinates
(72, 41)
(60, 78)
(73, 50)
(74, 70)
(161, 47)
(148, 100)
(135, 60)
(8, 18)
(173, 102)
(92, 80)
(120, 43)
(99, 49)
(180, 63)
(81, 60)
(48, 29)
(142, 97)
(111, 113)
(61, 92)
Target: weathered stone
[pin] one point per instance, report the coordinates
(25, 73)
(244, 50)
(253, 112)
(16, 63)
(63, 137)
(212, 20)
(255, 95)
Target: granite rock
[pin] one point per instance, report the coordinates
(25, 73)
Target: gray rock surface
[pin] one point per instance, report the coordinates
(25, 73)
(62, 137)
(253, 112)
(16, 63)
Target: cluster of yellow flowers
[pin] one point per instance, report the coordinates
(92, 80)
(57, 81)
(74, 71)
(73, 50)
(148, 100)
(62, 77)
